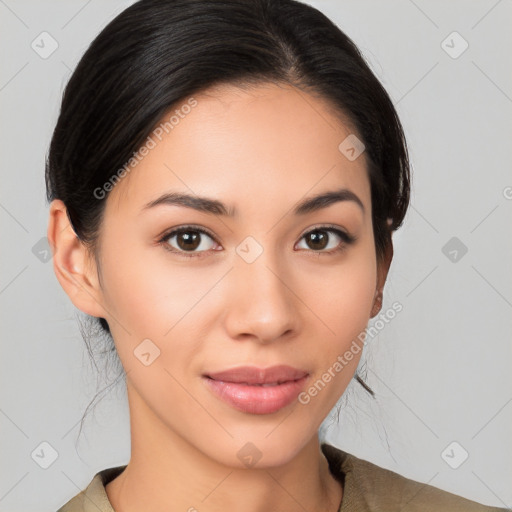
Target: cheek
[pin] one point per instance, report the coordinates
(343, 305)
(344, 294)
(149, 294)
(146, 295)
(144, 283)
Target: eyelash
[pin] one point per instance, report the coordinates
(345, 237)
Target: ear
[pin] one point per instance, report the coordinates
(383, 265)
(73, 264)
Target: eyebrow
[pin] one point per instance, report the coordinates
(215, 207)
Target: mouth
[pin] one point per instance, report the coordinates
(257, 391)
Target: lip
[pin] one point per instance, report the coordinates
(257, 390)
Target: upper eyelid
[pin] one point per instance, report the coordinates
(174, 231)
(192, 228)
(171, 232)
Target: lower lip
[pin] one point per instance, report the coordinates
(257, 399)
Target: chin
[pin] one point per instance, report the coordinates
(259, 450)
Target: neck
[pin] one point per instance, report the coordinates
(165, 472)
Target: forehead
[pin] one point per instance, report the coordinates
(264, 142)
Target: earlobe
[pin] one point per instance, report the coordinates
(377, 303)
(382, 272)
(72, 263)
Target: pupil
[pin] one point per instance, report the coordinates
(318, 237)
(191, 241)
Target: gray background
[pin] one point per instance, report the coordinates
(441, 368)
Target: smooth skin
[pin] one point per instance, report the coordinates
(260, 150)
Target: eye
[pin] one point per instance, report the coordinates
(188, 239)
(192, 241)
(325, 237)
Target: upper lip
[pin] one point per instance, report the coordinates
(254, 375)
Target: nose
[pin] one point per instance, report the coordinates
(262, 304)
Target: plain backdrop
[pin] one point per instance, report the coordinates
(440, 368)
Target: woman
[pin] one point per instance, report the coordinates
(225, 178)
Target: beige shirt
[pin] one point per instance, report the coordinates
(366, 488)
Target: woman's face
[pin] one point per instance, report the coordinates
(266, 286)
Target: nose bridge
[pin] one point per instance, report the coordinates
(263, 304)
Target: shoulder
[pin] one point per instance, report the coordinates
(368, 488)
(75, 504)
(94, 497)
